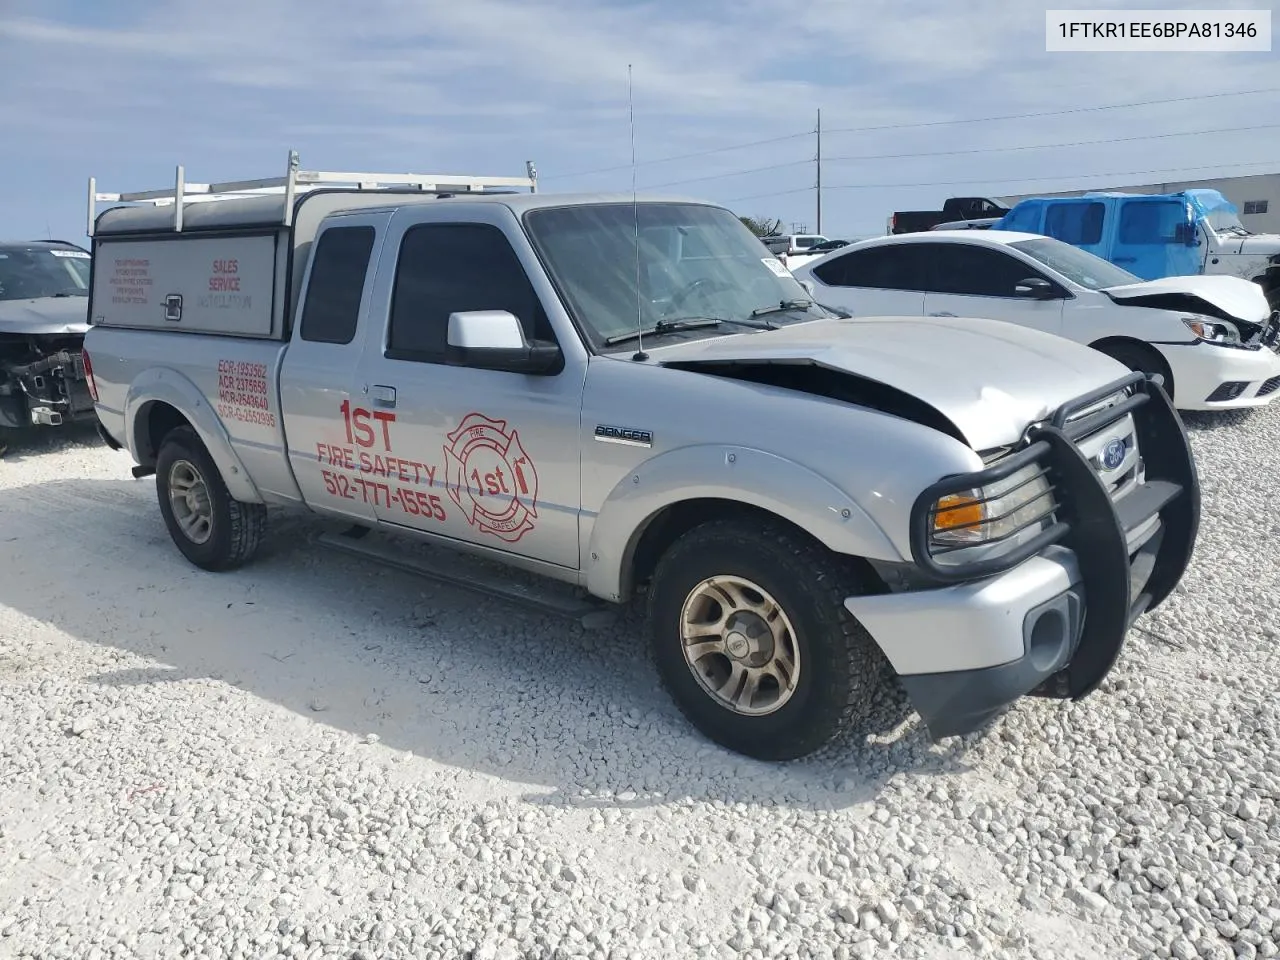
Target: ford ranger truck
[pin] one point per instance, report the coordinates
(634, 398)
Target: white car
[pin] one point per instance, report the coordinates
(1214, 339)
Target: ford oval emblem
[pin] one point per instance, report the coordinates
(1113, 454)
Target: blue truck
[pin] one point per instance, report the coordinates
(1156, 235)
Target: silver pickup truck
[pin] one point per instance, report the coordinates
(635, 398)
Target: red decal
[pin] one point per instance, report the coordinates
(491, 478)
(244, 393)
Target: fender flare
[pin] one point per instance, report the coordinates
(724, 472)
(168, 386)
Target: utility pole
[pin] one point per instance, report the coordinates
(819, 231)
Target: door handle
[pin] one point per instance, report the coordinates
(383, 396)
(944, 313)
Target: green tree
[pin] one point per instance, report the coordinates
(763, 226)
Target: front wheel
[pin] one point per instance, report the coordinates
(1140, 359)
(752, 639)
(211, 528)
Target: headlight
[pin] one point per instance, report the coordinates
(1022, 503)
(1211, 330)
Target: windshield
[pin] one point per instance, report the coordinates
(1078, 266)
(1224, 221)
(27, 273)
(694, 262)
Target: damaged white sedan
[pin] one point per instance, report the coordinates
(44, 314)
(1213, 339)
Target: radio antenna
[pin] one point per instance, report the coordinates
(635, 211)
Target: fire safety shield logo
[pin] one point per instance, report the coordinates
(491, 478)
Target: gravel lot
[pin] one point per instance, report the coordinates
(309, 758)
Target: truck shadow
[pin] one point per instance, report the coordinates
(17, 446)
(460, 679)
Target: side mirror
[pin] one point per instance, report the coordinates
(494, 340)
(1186, 234)
(1036, 288)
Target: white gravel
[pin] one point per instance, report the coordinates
(308, 758)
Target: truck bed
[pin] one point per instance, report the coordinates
(239, 375)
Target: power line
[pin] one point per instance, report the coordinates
(731, 173)
(959, 183)
(684, 156)
(1046, 146)
(977, 150)
(916, 125)
(1055, 113)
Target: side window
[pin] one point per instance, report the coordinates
(975, 271)
(339, 263)
(890, 267)
(1151, 221)
(1079, 224)
(454, 268)
(1024, 218)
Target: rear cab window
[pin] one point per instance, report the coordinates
(339, 266)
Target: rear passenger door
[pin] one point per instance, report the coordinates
(484, 456)
(320, 365)
(875, 281)
(970, 280)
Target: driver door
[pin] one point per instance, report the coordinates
(968, 280)
(484, 456)
(1147, 242)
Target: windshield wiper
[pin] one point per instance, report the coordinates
(677, 324)
(664, 326)
(783, 306)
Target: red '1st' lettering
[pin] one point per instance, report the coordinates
(360, 432)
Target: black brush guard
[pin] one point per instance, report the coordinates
(1117, 587)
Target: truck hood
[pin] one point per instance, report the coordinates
(47, 316)
(1259, 244)
(989, 378)
(1227, 298)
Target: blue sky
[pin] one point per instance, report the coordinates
(123, 90)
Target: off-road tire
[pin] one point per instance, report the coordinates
(237, 527)
(840, 664)
(1141, 359)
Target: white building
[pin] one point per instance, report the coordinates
(1257, 197)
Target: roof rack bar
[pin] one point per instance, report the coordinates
(296, 181)
(179, 181)
(290, 187)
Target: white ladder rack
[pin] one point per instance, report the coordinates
(297, 181)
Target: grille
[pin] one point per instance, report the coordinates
(1269, 387)
(1122, 479)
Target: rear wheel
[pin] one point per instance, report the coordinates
(753, 642)
(1141, 359)
(211, 528)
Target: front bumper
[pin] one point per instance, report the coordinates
(1049, 617)
(1209, 376)
(50, 391)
